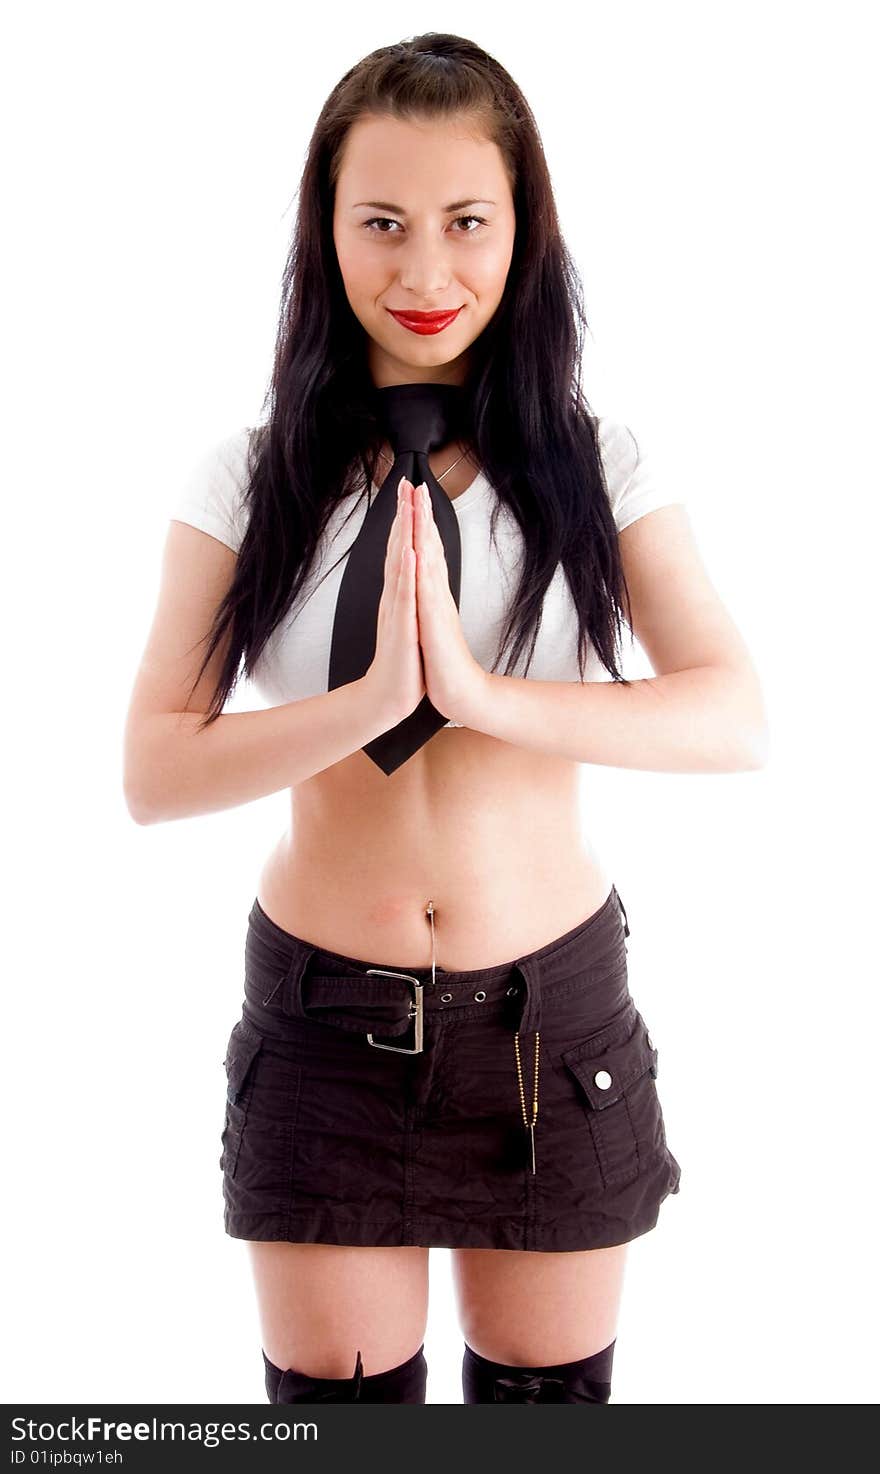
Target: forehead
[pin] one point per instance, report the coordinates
(417, 162)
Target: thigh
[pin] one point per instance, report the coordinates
(320, 1303)
(532, 1309)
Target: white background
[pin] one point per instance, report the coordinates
(713, 174)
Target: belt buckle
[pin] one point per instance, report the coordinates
(417, 1012)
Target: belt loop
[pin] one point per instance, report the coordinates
(623, 909)
(530, 1015)
(291, 998)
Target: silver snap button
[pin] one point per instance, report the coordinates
(602, 1079)
(445, 997)
(478, 997)
(512, 991)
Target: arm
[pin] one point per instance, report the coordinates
(173, 771)
(702, 712)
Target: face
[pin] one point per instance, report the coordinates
(423, 220)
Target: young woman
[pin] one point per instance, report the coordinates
(437, 1043)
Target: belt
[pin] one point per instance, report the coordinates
(398, 1001)
(385, 1003)
(389, 1002)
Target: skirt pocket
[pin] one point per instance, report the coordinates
(614, 1073)
(242, 1050)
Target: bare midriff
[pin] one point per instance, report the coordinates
(489, 832)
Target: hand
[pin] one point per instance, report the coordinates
(395, 678)
(454, 680)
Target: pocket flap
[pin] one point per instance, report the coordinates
(244, 1046)
(605, 1075)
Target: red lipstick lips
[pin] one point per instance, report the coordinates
(425, 322)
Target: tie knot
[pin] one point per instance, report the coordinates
(421, 417)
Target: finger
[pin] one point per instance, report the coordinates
(390, 565)
(427, 523)
(393, 572)
(431, 527)
(404, 590)
(392, 546)
(407, 521)
(421, 530)
(395, 523)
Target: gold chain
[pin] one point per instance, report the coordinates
(529, 1125)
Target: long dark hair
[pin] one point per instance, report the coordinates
(532, 429)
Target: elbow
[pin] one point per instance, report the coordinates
(136, 804)
(142, 777)
(756, 749)
(140, 798)
(753, 723)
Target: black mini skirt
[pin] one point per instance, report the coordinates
(368, 1104)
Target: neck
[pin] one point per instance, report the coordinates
(452, 465)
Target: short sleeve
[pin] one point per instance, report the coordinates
(632, 488)
(211, 494)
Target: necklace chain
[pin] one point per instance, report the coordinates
(438, 478)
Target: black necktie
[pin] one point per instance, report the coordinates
(417, 419)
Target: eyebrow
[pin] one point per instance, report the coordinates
(399, 210)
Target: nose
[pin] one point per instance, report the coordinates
(424, 270)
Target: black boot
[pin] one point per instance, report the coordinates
(404, 1383)
(587, 1380)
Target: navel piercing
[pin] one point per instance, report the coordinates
(429, 912)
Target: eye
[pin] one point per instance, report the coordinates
(379, 220)
(386, 220)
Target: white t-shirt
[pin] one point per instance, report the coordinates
(295, 660)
